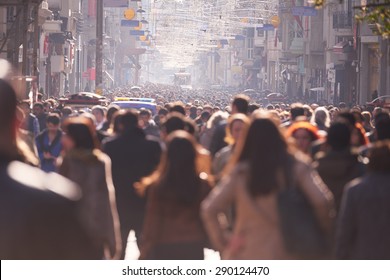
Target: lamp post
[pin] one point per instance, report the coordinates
(99, 46)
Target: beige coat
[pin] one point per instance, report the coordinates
(91, 170)
(256, 232)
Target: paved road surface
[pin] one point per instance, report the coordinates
(132, 252)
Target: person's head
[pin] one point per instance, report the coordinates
(265, 150)
(193, 112)
(296, 110)
(66, 112)
(240, 104)
(176, 177)
(339, 136)
(175, 121)
(379, 116)
(237, 125)
(367, 118)
(252, 107)
(304, 135)
(99, 113)
(342, 105)
(79, 133)
(47, 106)
(321, 117)
(8, 120)
(144, 117)
(308, 111)
(25, 106)
(38, 109)
(125, 120)
(178, 108)
(379, 158)
(53, 122)
(205, 116)
(383, 129)
(162, 114)
(112, 109)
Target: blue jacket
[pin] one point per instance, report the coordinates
(43, 145)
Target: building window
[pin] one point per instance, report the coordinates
(260, 32)
(10, 14)
(250, 48)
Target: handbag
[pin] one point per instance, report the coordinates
(302, 234)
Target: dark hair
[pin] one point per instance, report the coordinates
(383, 129)
(179, 109)
(189, 126)
(53, 119)
(82, 133)
(163, 112)
(348, 116)
(296, 110)
(67, 111)
(175, 121)
(38, 104)
(379, 116)
(241, 102)
(145, 112)
(8, 103)
(111, 111)
(265, 150)
(339, 136)
(379, 157)
(252, 108)
(205, 115)
(126, 119)
(176, 178)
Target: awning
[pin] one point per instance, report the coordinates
(343, 47)
(318, 89)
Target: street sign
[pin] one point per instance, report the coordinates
(304, 11)
(137, 32)
(129, 23)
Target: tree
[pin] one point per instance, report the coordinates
(375, 12)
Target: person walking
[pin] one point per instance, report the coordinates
(363, 228)
(38, 211)
(173, 228)
(48, 143)
(86, 165)
(133, 156)
(257, 175)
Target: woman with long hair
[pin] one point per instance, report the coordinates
(173, 228)
(84, 164)
(252, 183)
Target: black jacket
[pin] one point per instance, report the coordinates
(337, 168)
(38, 216)
(133, 156)
(364, 221)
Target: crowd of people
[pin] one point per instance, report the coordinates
(206, 171)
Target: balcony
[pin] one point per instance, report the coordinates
(342, 20)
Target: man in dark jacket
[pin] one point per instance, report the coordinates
(363, 228)
(38, 214)
(133, 156)
(338, 165)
